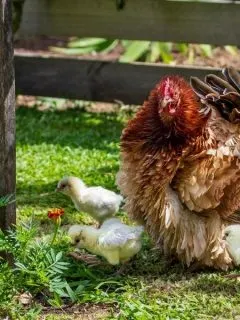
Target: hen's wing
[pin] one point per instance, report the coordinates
(212, 180)
(202, 183)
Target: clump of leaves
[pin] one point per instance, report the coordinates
(86, 45)
(135, 50)
(44, 269)
(39, 267)
(5, 200)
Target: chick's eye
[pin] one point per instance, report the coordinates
(77, 240)
(226, 234)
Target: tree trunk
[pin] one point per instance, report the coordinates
(7, 115)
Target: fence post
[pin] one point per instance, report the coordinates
(7, 115)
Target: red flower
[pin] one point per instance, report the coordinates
(55, 213)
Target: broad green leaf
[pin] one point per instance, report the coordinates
(107, 46)
(191, 55)
(107, 282)
(166, 51)
(86, 42)
(231, 49)
(72, 295)
(134, 51)
(125, 43)
(59, 256)
(49, 258)
(182, 47)
(206, 50)
(154, 52)
(72, 51)
(53, 255)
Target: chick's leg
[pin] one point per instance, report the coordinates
(123, 268)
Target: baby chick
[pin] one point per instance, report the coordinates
(115, 241)
(100, 203)
(232, 238)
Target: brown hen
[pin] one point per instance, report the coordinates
(180, 169)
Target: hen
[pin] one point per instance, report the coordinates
(232, 238)
(180, 169)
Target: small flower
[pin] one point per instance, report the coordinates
(55, 213)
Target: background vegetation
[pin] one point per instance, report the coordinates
(53, 143)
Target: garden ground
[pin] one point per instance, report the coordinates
(53, 143)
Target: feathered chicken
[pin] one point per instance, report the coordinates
(100, 203)
(115, 241)
(232, 238)
(180, 169)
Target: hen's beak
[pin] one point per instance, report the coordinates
(224, 237)
(166, 101)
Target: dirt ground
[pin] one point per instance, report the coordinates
(80, 312)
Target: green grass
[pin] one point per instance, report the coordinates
(52, 144)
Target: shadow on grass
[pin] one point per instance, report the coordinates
(43, 195)
(71, 128)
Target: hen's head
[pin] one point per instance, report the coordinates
(178, 106)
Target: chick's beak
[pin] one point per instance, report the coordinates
(58, 189)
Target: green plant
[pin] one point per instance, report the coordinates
(148, 51)
(86, 45)
(5, 200)
(40, 267)
(53, 143)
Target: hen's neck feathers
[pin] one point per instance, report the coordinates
(150, 129)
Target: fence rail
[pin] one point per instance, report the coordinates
(177, 21)
(93, 80)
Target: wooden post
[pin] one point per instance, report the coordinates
(7, 115)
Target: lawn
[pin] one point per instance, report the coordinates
(51, 144)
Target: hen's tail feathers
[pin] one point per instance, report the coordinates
(224, 94)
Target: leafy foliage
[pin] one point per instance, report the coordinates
(87, 145)
(5, 200)
(148, 51)
(86, 45)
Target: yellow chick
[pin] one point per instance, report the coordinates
(114, 240)
(232, 238)
(98, 202)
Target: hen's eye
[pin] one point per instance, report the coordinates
(77, 240)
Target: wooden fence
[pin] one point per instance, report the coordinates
(176, 21)
(7, 116)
